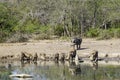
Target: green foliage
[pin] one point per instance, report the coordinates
(76, 30)
(42, 32)
(7, 22)
(92, 32)
(18, 37)
(70, 18)
(109, 33)
(58, 30)
(44, 29)
(42, 36)
(117, 33)
(105, 34)
(30, 27)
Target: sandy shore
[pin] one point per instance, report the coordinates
(110, 47)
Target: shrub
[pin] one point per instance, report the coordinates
(18, 37)
(7, 21)
(117, 33)
(42, 36)
(105, 34)
(92, 32)
(58, 30)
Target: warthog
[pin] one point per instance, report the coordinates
(77, 42)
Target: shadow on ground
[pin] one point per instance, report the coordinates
(82, 48)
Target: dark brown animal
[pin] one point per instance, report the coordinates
(62, 57)
(25, 57)
(72, 55)
(56, 58)
(77, 42)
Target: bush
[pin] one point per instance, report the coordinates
(18, 37)
(3, 36)
(106, 34)
(117, 33)
(92, 32)
(109, 33)
(58, 30)
(42, 36)
(65, 38)
(7, 21)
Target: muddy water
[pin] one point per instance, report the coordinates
(50, 70)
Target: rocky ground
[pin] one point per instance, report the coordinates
(110, 47)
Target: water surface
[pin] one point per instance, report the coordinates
(50, 70)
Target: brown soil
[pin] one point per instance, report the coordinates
(110, 47)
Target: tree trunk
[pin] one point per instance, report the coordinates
(94, 14)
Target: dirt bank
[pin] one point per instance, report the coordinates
(110, 47)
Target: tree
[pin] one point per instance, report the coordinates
(7, 21)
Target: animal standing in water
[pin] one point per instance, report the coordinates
(28, 57)
(94, 56)
(71, 55)
(56, 57)
(35, 58)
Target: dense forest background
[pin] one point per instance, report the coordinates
(21, 20)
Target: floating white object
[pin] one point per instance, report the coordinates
(21, 76)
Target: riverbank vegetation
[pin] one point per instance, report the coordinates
(21, 20)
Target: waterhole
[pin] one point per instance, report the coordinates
(50, 70)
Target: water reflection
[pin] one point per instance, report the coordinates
(50, 70)
(94, 67)
(74, 69)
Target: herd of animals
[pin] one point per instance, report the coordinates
(71, 56)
